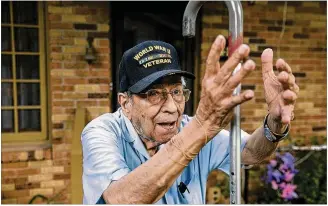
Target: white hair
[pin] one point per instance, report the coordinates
(183, 81)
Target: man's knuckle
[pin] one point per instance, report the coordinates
(296, 89)
(237, 57)
(209, 61)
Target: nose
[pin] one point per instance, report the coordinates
(170, 105)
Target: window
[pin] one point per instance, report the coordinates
(23, 87)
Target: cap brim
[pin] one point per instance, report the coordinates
(145, 82)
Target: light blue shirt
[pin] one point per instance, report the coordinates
(112, 149)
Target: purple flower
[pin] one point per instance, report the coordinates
(283, 168)
(288, 192)
(273, 163)
(269, 176)
(274, 185)
(280, 174)
(277, 175)
(288, 160)
(282, 185)
(288, 176)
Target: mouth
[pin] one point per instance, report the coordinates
(167, 125)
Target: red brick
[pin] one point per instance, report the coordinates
(99, 81)
(62, 41)
(15, 193)
(63, 103)
(62, 88)
(102, 50)
(74, 81)
(100, 73)
(14, 165)
(54, 17)
(86, 11)
(9, 201)
(86, 103)
(62, 154)
(59, 25)
(62, 176)
(61, 162)
(12, 179)
(104, 88)
(28, 171)
(28, 186)
(104, 103)
(103, 43)
(103, 58)
(82, 73)
(74, 95)
(56, 65)
(75, 65)
(70, 110)
(56, 49)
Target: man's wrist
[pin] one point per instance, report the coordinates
(273, 136)
(275, 125)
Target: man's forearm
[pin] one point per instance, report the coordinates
(258, 147)
(151, 180)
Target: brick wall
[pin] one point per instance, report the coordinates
(303, 46)
(72, 83)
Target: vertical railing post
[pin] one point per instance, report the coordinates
(235, 40)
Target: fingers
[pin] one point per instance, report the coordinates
(245, 70)
(287, 80)
(286, 77)
(239, 99)
(289, 96)
(283, 66)
(286, 114)
(213, 58)
(267, 59)
(232, 62)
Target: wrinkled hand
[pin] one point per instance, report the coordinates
(216, 100)
(280, 91)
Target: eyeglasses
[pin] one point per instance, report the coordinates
(155, 96)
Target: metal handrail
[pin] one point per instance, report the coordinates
(235, 40)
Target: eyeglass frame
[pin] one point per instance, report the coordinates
(164, 94)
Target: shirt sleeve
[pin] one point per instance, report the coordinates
(103, 161)
(219, 156)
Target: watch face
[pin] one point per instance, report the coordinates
(267, 134)
(271, 136)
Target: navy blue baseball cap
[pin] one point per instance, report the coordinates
(147, 62)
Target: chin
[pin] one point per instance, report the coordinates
(164, 138)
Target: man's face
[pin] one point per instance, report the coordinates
(161, 121)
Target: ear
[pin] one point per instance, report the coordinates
(126, 104)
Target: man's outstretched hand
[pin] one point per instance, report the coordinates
(280, 91)
(217, 100)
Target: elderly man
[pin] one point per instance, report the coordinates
(149, 152)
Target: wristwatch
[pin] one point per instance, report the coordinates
(270, 135)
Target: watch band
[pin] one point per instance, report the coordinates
(272, 136)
